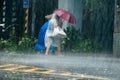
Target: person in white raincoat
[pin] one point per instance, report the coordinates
(49, 39)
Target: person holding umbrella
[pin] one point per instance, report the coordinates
(49, 39)
(56, 21)
(40, 45)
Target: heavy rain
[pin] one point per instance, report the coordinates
(88, 50)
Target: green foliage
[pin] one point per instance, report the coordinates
(76, 42)
(72, 37)
(93, 5)
(84, 46)
(4, 44)
(15, 44)
(25, 44)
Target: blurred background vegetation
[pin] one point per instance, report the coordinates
(96, 34)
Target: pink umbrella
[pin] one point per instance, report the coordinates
(66, 15)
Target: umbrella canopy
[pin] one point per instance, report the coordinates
(66, 15)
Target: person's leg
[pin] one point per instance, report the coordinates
(47, 48)
(59, 49)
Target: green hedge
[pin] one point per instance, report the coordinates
(75, 42)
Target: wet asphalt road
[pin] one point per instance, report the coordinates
(98, 66)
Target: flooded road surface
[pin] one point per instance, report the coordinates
(52, 67)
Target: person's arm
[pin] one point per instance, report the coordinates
(48, 16)
(60, 23)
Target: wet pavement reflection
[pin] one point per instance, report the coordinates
(52, 67)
